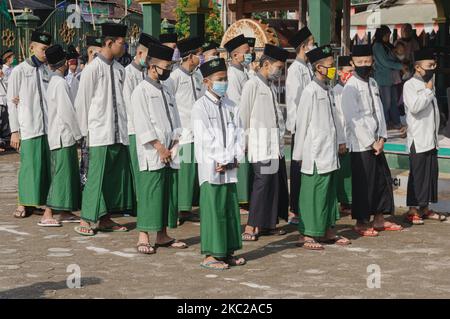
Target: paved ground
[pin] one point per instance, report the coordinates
(34, 262)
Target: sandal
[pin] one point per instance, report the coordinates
(150, 250)
(233, 261)
(249, 237)
(293, 220)
(21, 213)
(71, 219)
(88, 231)
(437, 216)
(368, 232)
(414, 219)
(113, 229)
(392, 227)
(173, 244)
(208, 265)
(336, 240)
(50, 222)
(310, 244)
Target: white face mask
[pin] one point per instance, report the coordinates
(401, 57)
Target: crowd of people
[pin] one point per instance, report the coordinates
(180, 127)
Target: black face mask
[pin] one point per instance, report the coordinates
(428, 75)
(363, 71)
(164, 76)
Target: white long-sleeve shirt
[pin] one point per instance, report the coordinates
(155, 116)
(262, 120)
(187, 87)
(3, 91)
(63, 128)
(363, 113)
(218, 138)
(237, 77)
(299, 75)
(337, 93)
(134, 74)
(422, 115)
(319, 131)
(99, 103)
(30, 84)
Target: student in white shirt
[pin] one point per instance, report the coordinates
(263, 120)
(8, 58)
(319, 140)
(218, 149)
(63, 133)
(422, 116)
(344, 190)
(366, 134)
(299, 75)
(158, 128)
(239, 51)
(94, 44)
(71, 77)
(101, 115)
(252, 67)
(27, 108)
(5, 132)
(186, 86)
(135, 73)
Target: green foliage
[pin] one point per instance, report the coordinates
(213, 24)
(182, 25)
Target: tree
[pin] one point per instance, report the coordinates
(182, 25)
(213, 24)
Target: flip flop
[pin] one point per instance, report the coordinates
(393, 227)
(414, 219)
(369, 232)
(310, 241)
(232, 261)
(441, 216)
(245, 236)
(71, 219)
(151, 250)
(208, 264)
(293, 220)
(89, 234)
(19, 213)
(51, 222)
(112, 229)
(335, 241)
(170, 244)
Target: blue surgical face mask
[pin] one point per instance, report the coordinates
(220, 87)
(248, 58)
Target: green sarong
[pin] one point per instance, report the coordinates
(318, 201)
(188, 188)
(245, 181)
(220, 226)
(65, 189)
(344, 188)
(157, 205)
(134, 167)
(109, 186)
(34, 171)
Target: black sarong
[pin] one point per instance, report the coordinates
(371, 185)
(423, 178)
(269, 198)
